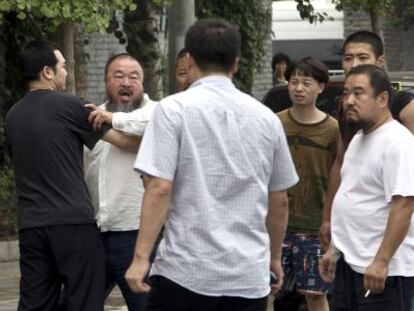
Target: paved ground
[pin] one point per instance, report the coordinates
(9, 290)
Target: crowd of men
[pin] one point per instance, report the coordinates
(208, 200)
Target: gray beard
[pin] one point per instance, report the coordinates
(113, 106)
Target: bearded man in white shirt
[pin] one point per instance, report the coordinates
(115, 189)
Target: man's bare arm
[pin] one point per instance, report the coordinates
(276, 223)
(398, 224)
(153, 214)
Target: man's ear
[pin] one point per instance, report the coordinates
(383, 98)
(189, 61)
(322, 87)
(235, 67)
(381, 61)
(47, 73)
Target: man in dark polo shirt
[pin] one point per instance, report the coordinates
(59, 241)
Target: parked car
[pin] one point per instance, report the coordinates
(277, 99)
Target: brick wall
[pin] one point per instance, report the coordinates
(99, 49)
(399, 44)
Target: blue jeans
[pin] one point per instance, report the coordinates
(119, 251)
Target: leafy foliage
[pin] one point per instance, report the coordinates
(94, 14)
(402, 10)
(254, 22)
(8, 203)
(307, 12)
(404, 13)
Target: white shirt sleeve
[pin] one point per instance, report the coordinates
(284, 173)
(159, 149)
(398, 171)
(134, 122)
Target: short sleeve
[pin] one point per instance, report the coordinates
(158, 153)
(284, 173)
(400, 99)
(80, 124)
(398, 171)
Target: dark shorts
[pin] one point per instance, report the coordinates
(300, 261)
(349, 292)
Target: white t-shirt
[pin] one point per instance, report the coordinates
(376, 167)
(224, 151)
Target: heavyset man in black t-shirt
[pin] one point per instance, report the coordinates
(59, 242)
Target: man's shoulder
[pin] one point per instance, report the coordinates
(283, 115)
(332, 122)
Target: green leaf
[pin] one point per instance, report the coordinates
(5, 6)
(66, 11)
(21, 15)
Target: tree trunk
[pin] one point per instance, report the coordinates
(81, 72)
(376, 23)
(141, 30)
(180, 17)
(64, 38)
(376, 26)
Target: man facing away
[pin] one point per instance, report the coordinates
(116, 190)
(216, 166)
(361, 47)
(59, 242)
(312, 136)
(373, 207)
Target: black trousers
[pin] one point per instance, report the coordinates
(165, 295)
(349, 292)
(69, 255)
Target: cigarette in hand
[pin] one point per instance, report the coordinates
(367, 293)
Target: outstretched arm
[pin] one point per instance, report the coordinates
(276, 223)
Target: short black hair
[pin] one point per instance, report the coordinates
(115, 57)
(36, 55)
(368, 37)
(181, 54)
(378, 79)
(280, 58)
(213, 44)
(309, 67)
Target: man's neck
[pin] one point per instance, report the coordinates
(307, 114)
(41, 85)
(369, 128)
(203, 74)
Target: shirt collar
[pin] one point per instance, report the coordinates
(213, 79)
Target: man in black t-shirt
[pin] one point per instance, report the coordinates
(59, 242)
